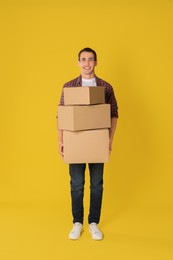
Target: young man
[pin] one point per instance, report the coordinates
(87, 61)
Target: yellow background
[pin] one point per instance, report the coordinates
(39, 44)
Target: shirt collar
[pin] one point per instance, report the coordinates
(79, 81)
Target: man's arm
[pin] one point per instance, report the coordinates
(60, 143)
(112, 131)
(60, 132)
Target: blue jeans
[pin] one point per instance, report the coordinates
(77, 174)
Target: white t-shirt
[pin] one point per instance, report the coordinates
(89, 82)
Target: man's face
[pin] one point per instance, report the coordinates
(87, 63)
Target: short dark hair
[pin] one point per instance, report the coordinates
(88, 50)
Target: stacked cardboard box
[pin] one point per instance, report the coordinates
(85, 119)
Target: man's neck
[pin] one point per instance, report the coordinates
(91, 76)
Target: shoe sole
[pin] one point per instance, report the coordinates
(72, 238)
(95, 238)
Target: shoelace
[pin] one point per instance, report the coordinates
(95, 229)
(76, 227)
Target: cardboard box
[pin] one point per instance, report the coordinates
(84, 95)
(75, 118)
(90, 146)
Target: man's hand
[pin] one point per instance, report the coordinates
(61, 149)
(111, 132)
(60, 143)
(110, 146)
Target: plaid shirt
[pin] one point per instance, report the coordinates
(109, 93)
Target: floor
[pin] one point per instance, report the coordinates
(40, 231)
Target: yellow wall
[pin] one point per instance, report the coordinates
(38, 52)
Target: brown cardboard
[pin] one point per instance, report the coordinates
(90, 146)
(75, 118)
(84, 95)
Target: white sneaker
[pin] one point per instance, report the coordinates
(95, 232)
(76, 231)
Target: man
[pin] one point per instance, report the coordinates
(87, 61)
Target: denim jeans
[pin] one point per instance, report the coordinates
(77, 174)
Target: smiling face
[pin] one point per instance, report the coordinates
(87, 64)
